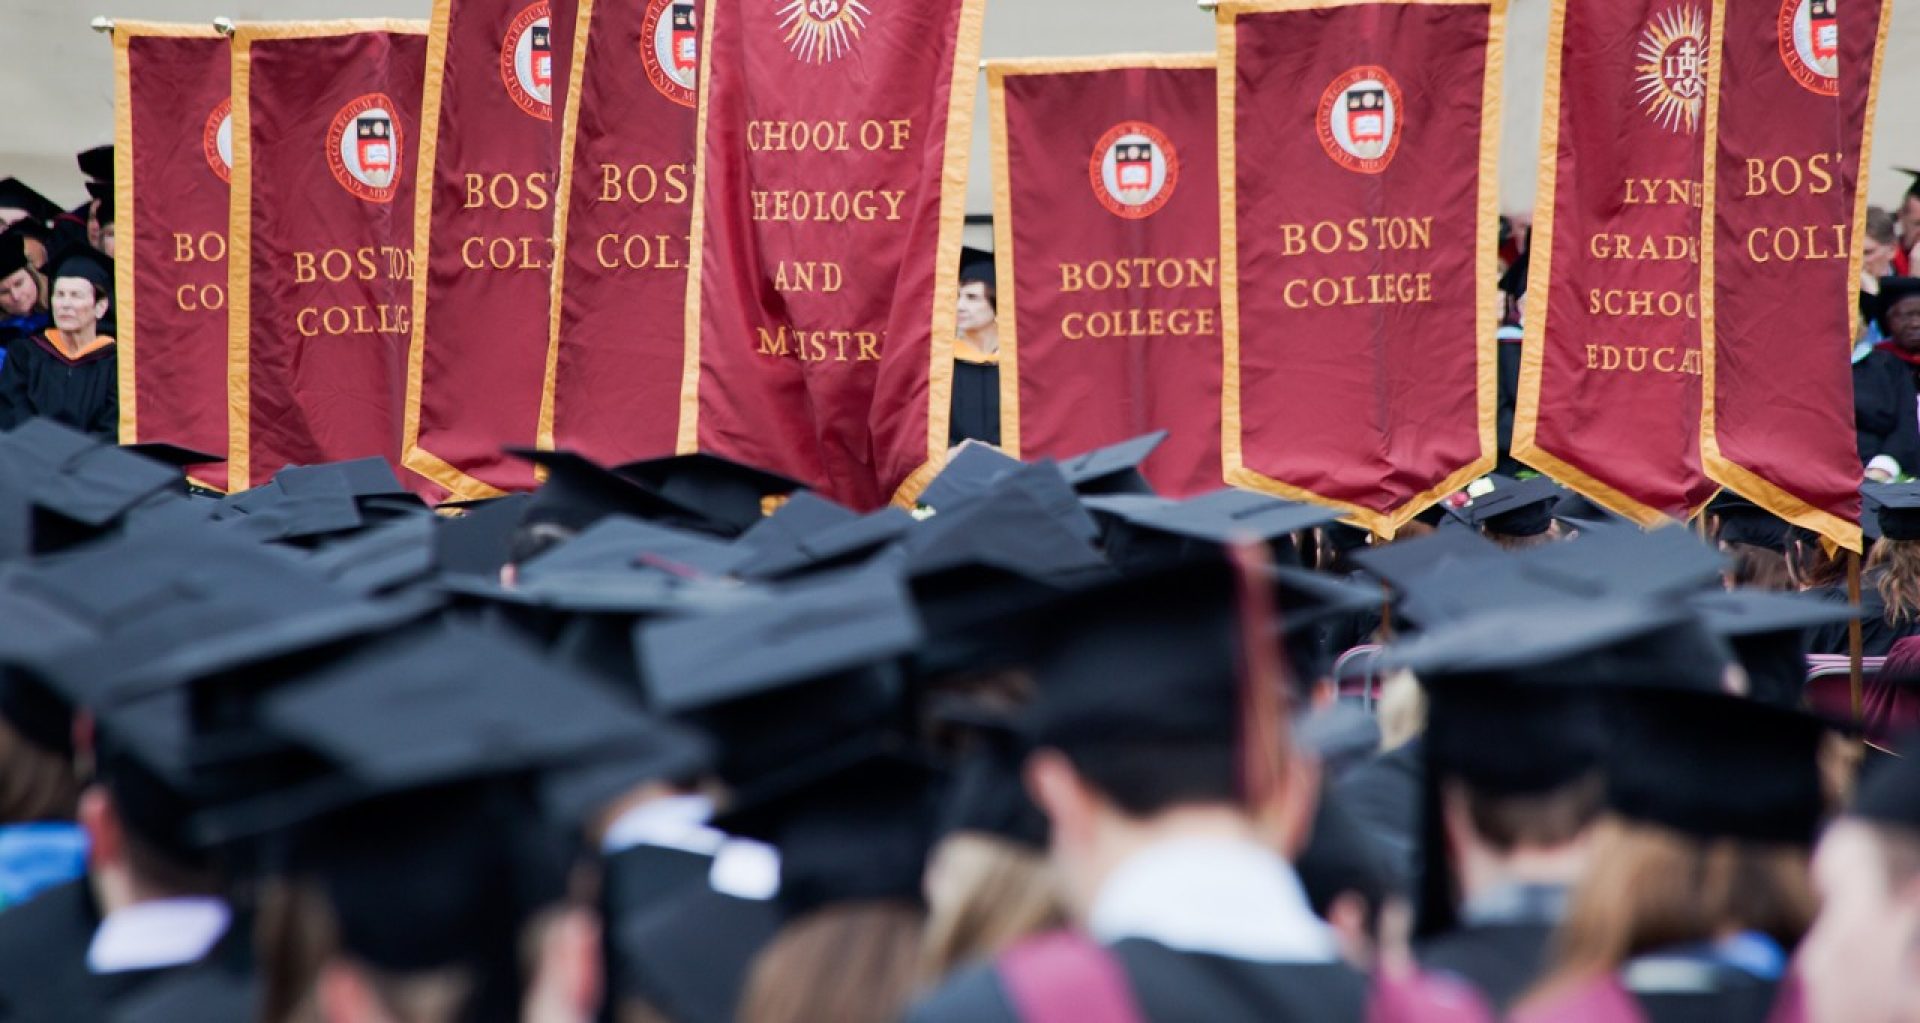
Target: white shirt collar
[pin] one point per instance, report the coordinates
(1220, 896)
(157, 934)
(676, 822)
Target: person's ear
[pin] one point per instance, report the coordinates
(1057, 790)
(1287, 820)
(344, 996)
(100, 309)
(106, 842)
(568, 977)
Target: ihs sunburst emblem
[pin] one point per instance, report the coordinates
(821, 31)
(1673, 69)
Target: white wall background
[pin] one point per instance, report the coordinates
(56, 75)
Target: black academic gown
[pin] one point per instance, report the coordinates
(688, 958)
(43, 962)
(1174, 987)
(1508, 400)
(976, 398)
(1884, 420)
(1382, 795)
(1877, 634)
(39, 380)
(1501, 961)
(222, 988)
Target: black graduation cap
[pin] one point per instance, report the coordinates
(1608, 642)
(839, 545)
(173, 454)
(1402, 561)
(800, 516)
(1518, 508)
(1896, 509)
(732, 494)
(382, 559)
(580, 492)
(972, 469)
(13, 254)
(96, 163)
(85, 262)
(1714, 765)
(1743, 522)
(1037, 532)
(1890, 796)
(1913, 186)
(477, 543)
(853, 823)
(1660, 562)
(36, 631)
(363, 477)
(1893, 290)
(619, 544)
(803, 633)
(15, 194)
(976, 265)
(1114, 469)
(1768, 633)
(988, 795)
(1144, 532)
(143, 754)
(269, 514)
(1151, 658)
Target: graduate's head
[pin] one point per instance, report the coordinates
(82, 285)
(1861, 961)
(1898, 313)
(978, 297)
(19, 286)
(1137, 726)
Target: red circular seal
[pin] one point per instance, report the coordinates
(670, 48)
(1809, 33)
(216, 140)
(1359, 119)
(526, 61)
(1134, 170)
(365, 148)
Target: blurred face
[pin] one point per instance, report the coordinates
(1876, 258)
(1909, 222)
(1903, 323)
(976, 312)
(18, 292)
(74, 307)
(1861, 961)
(106, 239)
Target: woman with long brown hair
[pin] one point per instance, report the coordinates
(1699, 887)
(1890, 586)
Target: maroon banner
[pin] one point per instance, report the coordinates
(1107, 245)
(173, 131)
(822, 299)
(1610, 377)
(325, 115)
(1778, 296)
(617, 337)
(1358, 205)
(483, 240)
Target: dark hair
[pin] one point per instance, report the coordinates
(1758, 568)
(36, 784)
(993, 292)
(1145, 778)
(1550, 818)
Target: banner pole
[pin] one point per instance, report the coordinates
(102, 23)
(1854, 642)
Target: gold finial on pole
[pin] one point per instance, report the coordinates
(224, 25)
(102, 23)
